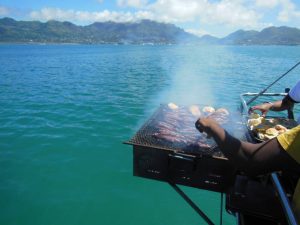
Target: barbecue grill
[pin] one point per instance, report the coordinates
(184, 156)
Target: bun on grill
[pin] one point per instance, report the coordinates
(195, 110)
(281, 129)
(171, 105)
(208, 109)
(255, 122)
(223, 111)
(272, 132)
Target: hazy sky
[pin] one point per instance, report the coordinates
(215, 17)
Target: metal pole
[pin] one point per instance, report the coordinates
(237, 216)
(264, 90)
(191, 203)
(221, 209)
(284, 200)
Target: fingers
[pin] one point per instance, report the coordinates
(250, 110)
(199, 126)
(202, 124)
(264, 114)
(253, 108)
(259, 108)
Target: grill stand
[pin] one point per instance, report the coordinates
(194, 206)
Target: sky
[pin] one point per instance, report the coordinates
(215, 17)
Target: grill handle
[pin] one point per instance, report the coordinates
(182, 157)
(182, 163)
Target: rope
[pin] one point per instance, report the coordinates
(264, 90)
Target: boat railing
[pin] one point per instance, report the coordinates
(274, 177)
(245, 107)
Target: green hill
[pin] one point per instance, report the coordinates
(144, 31)
(268, 36)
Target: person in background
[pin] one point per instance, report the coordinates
(280, 153)
(277, 154)
(286, 103)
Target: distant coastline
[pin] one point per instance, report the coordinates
(144, 32)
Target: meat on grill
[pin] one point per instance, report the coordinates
(177, 126)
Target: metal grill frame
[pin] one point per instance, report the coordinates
(144, 133)
(211, 172)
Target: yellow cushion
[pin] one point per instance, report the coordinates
(290, 141)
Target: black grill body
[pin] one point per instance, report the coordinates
(183, 161)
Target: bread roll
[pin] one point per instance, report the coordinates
(195, 110)
(254, 116)
(261, 136)
(272, 132)
(223, 111)
(280, 128)
(171, 105)
(268, 137)
(255, 122)
(208, 109)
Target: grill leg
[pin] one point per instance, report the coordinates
(191, 203)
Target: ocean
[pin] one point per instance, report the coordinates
(65, 111)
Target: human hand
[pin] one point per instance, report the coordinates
(204, 125)
(264, 108)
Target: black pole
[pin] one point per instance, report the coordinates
(264, 90)
(221, 209)
(191, 203)
(290, 110)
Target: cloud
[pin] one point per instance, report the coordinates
(87, 17)
(197, 32)
(226, 14)
(4, 11)
(288, 12)
(132, 3)
(232, 13)
(177, 10)
(266, 3)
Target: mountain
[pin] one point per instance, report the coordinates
(239, 37)
(208, 39)
(279, 36)
(145, 31)
(268, 36)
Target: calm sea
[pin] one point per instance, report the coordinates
(66, 109)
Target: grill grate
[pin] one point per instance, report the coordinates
(187, 138)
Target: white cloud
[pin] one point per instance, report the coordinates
(226, 14)
(4, 11)
(233, 13)
(266, 3)
(197, 32)
(288, 12)
(87, 17)
(132, 3)
(177, 10)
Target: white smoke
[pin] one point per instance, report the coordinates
(188, 86)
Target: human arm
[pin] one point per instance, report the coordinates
(286, 103)
(253, 159)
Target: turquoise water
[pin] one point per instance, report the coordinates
(66, 109)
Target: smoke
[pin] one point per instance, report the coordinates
(188, 86)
